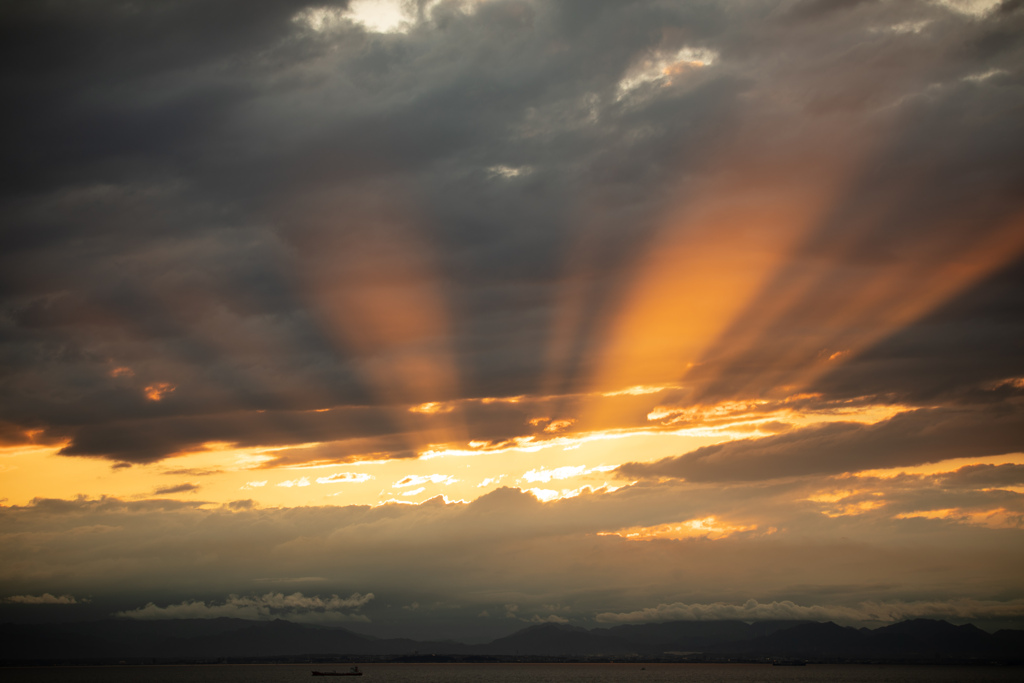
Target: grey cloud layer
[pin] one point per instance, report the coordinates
(192, 187)
(187, 560)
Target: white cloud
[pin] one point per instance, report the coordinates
(976, 8)
(296, 607)
(906, 27)
(44, 599)
(661, 67)
(985, 75)
(509, 171)
(295, 482)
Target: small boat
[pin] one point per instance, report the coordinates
(354, 671)
(788, 662)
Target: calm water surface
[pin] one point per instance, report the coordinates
(518, 673)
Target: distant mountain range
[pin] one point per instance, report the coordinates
(237, 639)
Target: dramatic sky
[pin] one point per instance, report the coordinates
(444, 317)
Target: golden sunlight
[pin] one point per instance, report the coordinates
(706, 527)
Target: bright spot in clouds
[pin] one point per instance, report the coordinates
(376, 16)
(432, 408)
(380, 16)
(544, 495)
(639, 390)
(707, 527)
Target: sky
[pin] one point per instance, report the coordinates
(440, 318)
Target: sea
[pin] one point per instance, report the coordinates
(518, 673)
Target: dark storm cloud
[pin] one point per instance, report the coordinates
(365, 430)
(110, 90)
(908, 439)
(187, 181)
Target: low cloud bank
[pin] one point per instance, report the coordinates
(752, 610)
(44, 599)
(294, 607)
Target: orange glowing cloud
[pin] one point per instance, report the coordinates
(707, 527)
(432, 408)
(157, 391)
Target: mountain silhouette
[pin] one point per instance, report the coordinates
(214, 639)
